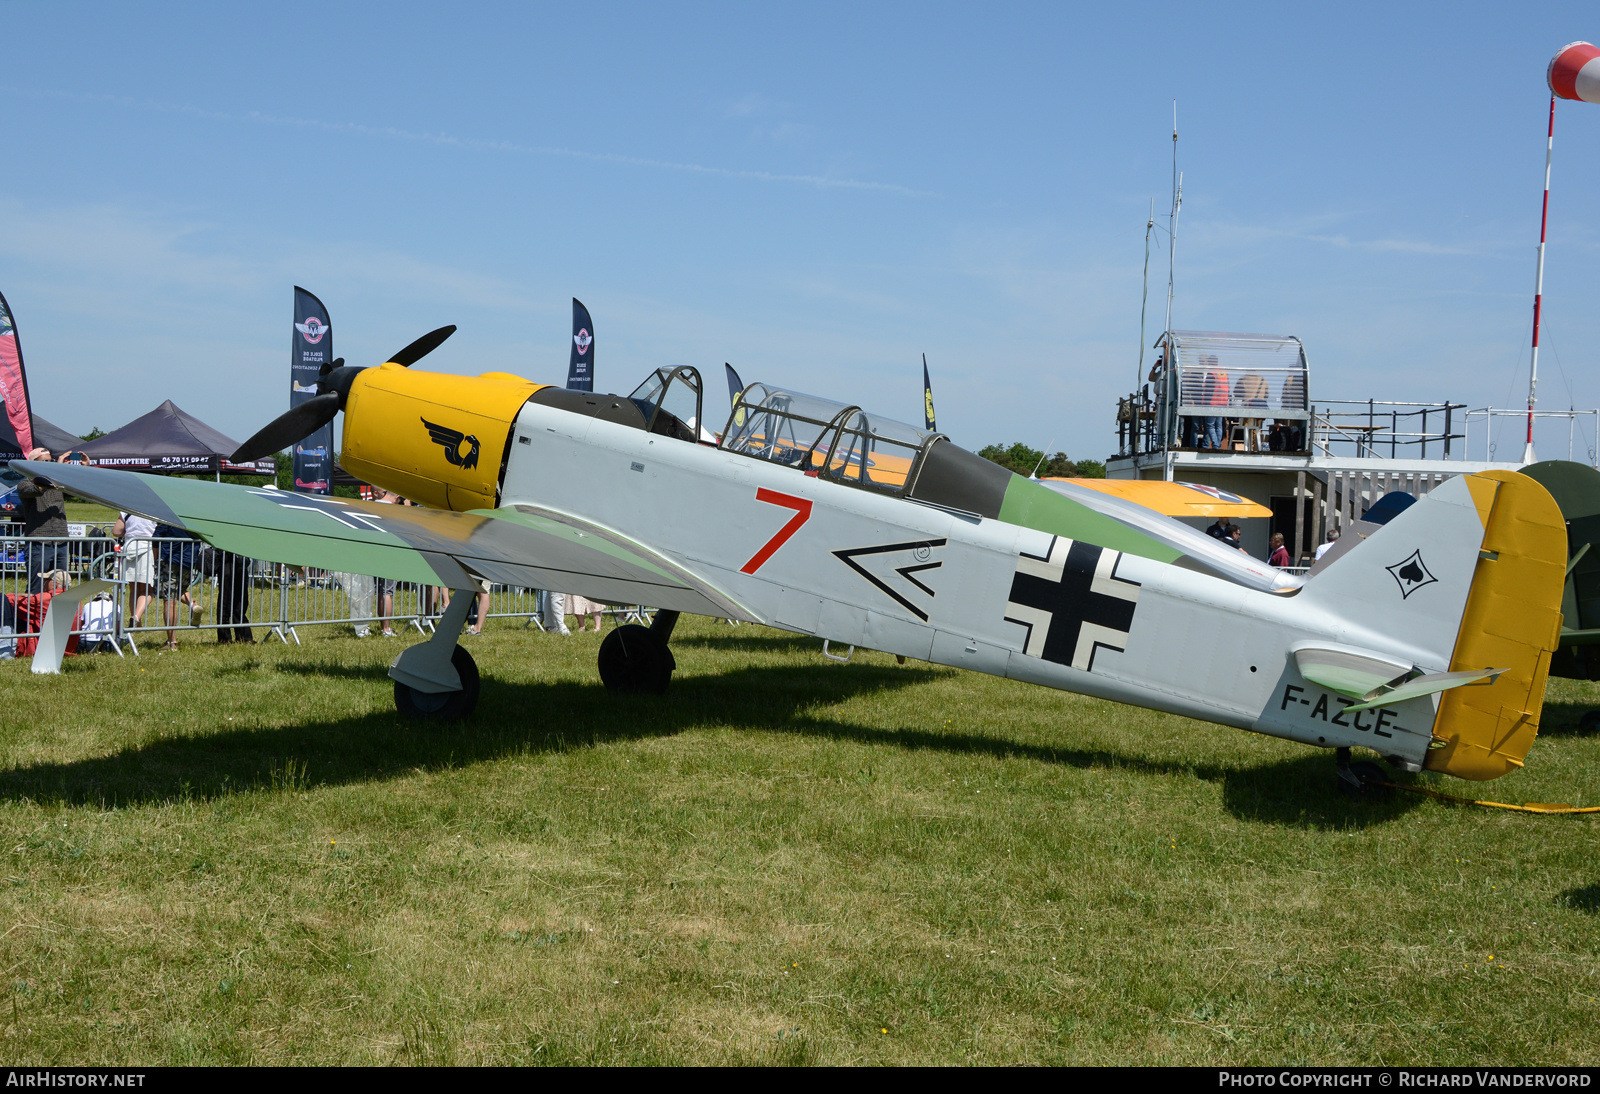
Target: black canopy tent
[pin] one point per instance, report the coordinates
(341, 477)
(45, 435)
(169, 440)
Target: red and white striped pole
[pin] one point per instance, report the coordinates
(1574, 73)
(1538, 284)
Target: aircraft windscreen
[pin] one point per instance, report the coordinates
(670, 402)
(782, 426)
(833, 439)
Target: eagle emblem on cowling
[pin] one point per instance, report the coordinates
(451, 440)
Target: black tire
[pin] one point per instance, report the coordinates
(1589, 722)
(632, 660)
(1363, 780)
(441, 706)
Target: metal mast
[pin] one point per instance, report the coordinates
(1177, 204)
(1172, 262)
(1538, 285)
(1149, 226)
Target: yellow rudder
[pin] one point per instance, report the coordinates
(1512, 621)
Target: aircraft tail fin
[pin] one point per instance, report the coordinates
(1470, 578)
(1512, 618)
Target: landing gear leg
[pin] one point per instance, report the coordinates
(1361, 779)
(437, 680)
(638, 659)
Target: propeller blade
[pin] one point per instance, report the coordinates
(423, 346)
(298, 423)
(329, 366)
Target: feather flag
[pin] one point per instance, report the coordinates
(580, 368)
(927, 398)
(14, 383)
(310, 352)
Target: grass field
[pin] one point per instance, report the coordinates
(90, 510)
(238, 855)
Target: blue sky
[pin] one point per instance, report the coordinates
(816, 193)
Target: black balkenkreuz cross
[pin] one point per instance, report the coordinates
(1072, 602)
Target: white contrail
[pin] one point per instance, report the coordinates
(478, 144)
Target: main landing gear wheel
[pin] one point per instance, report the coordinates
(1361, 779)
(441, 706)
(633, 659)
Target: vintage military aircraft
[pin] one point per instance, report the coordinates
(1428, 642)
(1576, 490)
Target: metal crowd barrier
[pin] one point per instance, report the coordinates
(269, 599)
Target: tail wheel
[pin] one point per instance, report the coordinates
(634, 660)
(441, 706)
(1363, 779)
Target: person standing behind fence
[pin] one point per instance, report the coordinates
(175, 560)
(233, 595)
(586, 609)
(138, 566)
(385, 585)
(479, 613)
(555, 614)
(44, 516)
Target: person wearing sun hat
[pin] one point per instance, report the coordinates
(44, 517)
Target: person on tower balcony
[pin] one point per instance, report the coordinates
(1214, 392)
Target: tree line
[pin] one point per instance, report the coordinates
(1023, 460)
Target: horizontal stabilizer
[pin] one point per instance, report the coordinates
(1374, 680)
(1358, 674)
(1425, 685)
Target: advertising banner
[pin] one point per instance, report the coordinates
(580, 370)
(313, 348)
(927, 398)
(14, 385)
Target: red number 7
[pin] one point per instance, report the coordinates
(802, 508)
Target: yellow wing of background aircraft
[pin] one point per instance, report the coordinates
(1175, 499)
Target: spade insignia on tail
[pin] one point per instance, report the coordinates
(1411, 574)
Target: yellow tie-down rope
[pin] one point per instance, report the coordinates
(1531, 807)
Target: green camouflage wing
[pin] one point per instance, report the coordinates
(428, 546)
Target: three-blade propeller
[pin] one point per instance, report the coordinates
(333, 390)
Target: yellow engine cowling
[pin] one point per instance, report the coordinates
(432, 437)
